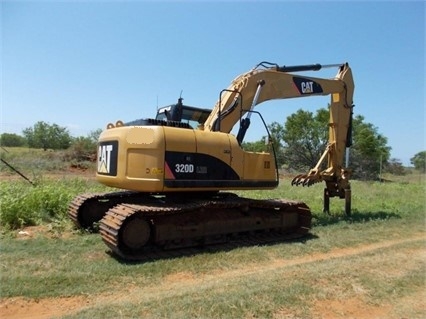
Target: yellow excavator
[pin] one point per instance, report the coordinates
(176, 170)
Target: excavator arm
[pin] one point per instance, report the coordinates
(269, 82)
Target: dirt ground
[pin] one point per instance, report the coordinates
(355, 307)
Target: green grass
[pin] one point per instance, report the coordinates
(267, 281)
(31, 162)
(229, 284)
(260, 295)
(22, 204)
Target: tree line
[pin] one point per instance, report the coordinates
(299, 143)
(54, 137)
(302, 139)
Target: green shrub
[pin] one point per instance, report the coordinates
(22, 204)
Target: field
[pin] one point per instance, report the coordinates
(369, 265)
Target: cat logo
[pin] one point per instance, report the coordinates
(307, 87)
(107, 158)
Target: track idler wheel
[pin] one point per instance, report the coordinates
(90, 214)
(135, 234)
(86, 210)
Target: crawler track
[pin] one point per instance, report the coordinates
(135, 231)
(87, 209)
(140, 226)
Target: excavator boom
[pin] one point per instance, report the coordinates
(276, 83)
(268, 81)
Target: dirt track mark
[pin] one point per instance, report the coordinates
(186, 282)
(175, 284)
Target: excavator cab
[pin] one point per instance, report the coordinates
(171, 115)
(179, 112)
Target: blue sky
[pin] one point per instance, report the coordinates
(84, 64)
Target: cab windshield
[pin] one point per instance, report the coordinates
(191, 115)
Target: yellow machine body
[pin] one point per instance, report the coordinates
(173, 159)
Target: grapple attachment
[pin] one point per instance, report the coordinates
(309, 179)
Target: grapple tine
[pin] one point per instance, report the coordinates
(305, 180)
(298, 180)
(294, 180)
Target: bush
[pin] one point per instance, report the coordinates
(11, 140)
(47, 136)
(82, 149)
(395, 167)
(24, 205)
